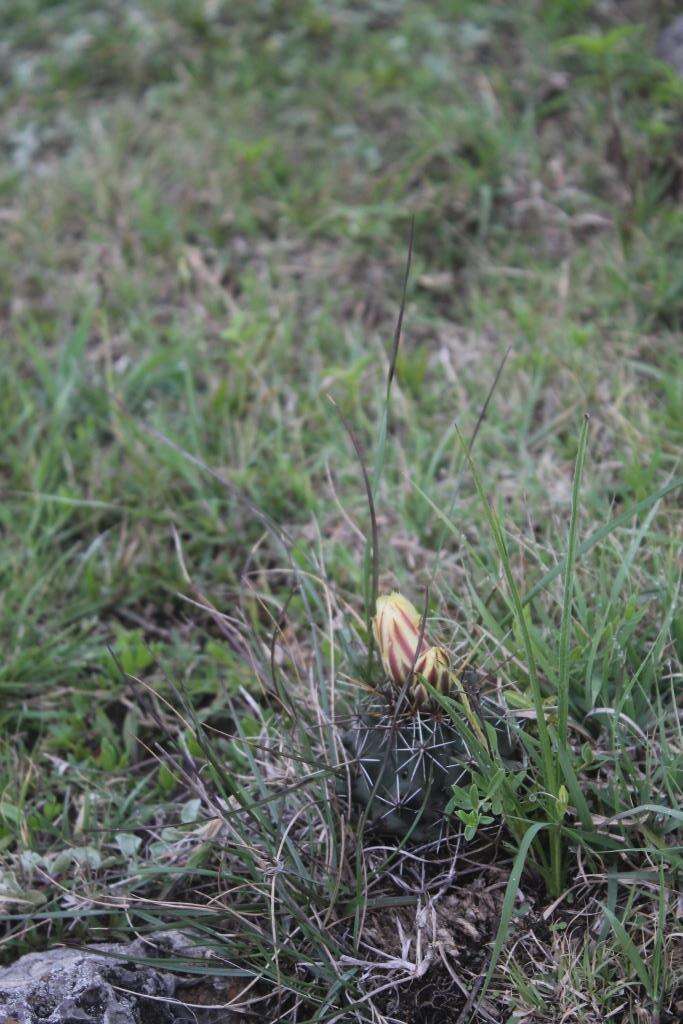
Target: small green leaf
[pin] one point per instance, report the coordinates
(128, 843)
(165, 779)
(108, 757)
(189, 811)
(10, 813)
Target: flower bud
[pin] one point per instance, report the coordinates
(434, 667)
(397, 631)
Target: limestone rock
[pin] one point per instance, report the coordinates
(67, 986)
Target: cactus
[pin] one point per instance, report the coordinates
(406, 755)
(404, 766)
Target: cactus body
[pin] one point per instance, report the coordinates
(404, 766)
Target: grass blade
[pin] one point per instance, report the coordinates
(565, 627)
(630, 951)
(604, 531)
(501, 545)
(371, 587)
(509, 900)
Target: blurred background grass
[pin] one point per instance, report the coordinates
(205, 210)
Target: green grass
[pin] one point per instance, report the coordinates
(206, 209)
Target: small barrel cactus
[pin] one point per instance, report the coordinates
(405, 760)
(404, 766)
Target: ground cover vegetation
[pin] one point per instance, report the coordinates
(206, 210)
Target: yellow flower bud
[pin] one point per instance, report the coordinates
(433, 666)
(397, 632)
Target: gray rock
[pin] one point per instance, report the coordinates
(670, 44)
(67, 986)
